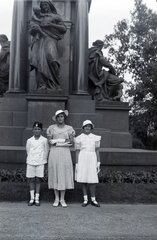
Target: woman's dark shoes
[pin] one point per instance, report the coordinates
(95, 204)
(85, 203)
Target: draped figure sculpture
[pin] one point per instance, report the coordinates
(4, 63)
(47, 29)
(103, 85)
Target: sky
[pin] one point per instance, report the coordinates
(103, 15)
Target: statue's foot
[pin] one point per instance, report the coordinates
(42, 87)
(104, 100)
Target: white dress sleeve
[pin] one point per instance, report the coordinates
(77, 142)
(49, 132)
(97, 141)
(71, 131)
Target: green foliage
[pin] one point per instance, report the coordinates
(128, 177)
(12, 176)
(132, 48)
(104, 176)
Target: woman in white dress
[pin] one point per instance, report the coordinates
(87, 161)
(60, 168)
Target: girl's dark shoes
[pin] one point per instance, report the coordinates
(95, 204)
(31, 202)
(85, 203)
(37, 203)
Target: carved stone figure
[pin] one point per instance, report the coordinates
(4, 63)
(46, 32)
(103, 85)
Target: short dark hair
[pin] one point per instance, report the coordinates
(90, 125)
(38, 124)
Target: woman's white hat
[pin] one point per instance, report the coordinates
(59, 112)
(86, 122)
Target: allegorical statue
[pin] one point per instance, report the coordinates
(47, 28)
(4, 63)
(103, 85)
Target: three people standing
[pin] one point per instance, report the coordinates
(60, 168)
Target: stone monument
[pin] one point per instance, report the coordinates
(34, 96)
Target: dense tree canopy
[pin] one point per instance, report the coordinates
(132, 48)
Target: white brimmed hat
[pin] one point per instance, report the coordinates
(86, 122)
(59, 112)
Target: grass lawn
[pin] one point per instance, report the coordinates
(109, 193)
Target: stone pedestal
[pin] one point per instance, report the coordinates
(19, 111)
(42, 108)
(111, 119)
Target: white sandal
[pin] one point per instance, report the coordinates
(63, 203)
(56, 203)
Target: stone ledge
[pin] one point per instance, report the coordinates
(46, 97)
(112, 105)
(12, 157)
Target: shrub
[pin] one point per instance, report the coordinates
(128, 177)
(104, 176)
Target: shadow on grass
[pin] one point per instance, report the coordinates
(115, 193)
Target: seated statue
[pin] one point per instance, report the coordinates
(4, 63)
(103, 85)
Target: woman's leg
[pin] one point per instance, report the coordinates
(62, 195)
(56, 202)
(62, 200)
(56, 192)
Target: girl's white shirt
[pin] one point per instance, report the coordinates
(37, 150)
(87, 142)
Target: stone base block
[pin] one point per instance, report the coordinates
(121, 140)
(11, 136)
(76, 119)
(42, 107)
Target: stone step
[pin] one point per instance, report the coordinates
(112, 159)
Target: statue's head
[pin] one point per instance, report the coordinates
(50, 3)
(3, 38)
(98, 43)
(36, 9)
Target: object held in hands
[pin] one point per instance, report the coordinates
(65, 144)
